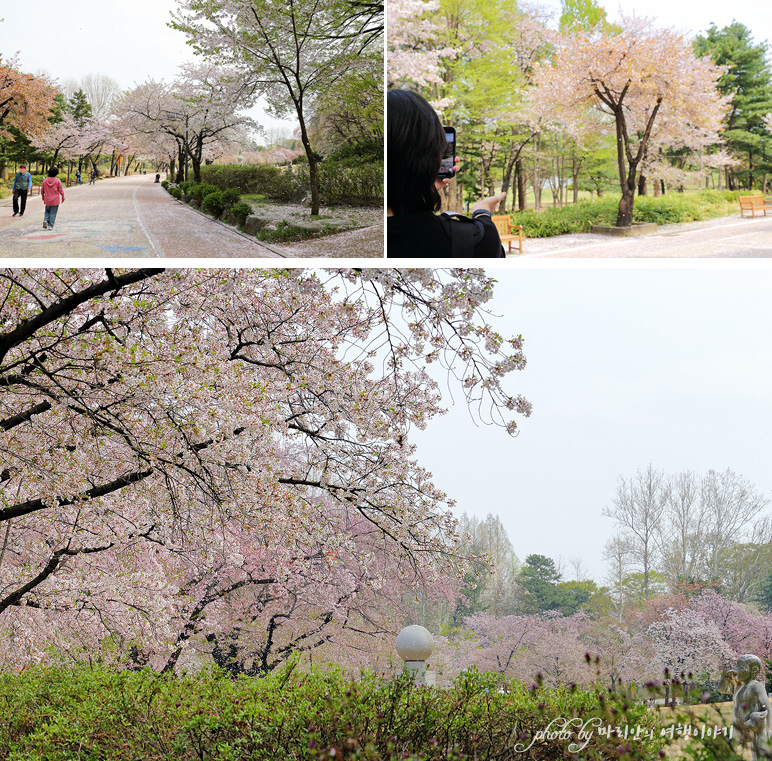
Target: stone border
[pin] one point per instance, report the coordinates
(639, 228)
(250, 238)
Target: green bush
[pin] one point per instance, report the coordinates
(230, 197)
(176, 193)
(338, 184)
(355, 185)
(240, 211)
(90, 714)
(667, 209)
(201, 191)
(277, 184)
(358, 154)
(213, 203)
(186, 185)
(165, 184)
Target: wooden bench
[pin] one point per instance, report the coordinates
(504, 226)
(753, 204)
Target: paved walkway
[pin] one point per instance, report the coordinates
(133, 216)
(730, 237)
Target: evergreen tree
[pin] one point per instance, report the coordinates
(80, 108)
(749, 81)
(541, 582)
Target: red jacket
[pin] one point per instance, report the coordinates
(51, 189)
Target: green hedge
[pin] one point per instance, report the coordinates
(667, 209)
(338, 185)
(270, 181)
(66, 714)
(348, 185)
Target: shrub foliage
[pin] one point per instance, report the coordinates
(62, 714)
(338, 184)
(667, 209)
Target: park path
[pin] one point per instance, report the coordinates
(133, 216)
(728, 237)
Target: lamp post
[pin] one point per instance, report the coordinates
(414, 645)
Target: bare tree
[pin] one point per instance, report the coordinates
(730, 503)
(100, 91)
(638, 509)
(685, 526)
(578, 569)
(618, 554)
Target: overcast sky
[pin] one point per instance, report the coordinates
(128, 40)
(626, 366)
(694, 17)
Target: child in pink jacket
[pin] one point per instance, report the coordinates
(51, 190)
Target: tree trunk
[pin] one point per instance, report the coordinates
(575, 164)
(522, 200)
(537, 188)
(625, 212)
(642, 189)
(180, 164)
(506, 177)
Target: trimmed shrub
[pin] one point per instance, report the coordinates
(354, 185)
(338, 184)
(240, 211)
(165, 184)
(230, 196)
(199, 192)
(277, 184)
(213, 203)
(359, 154)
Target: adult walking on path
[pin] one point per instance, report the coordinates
(135, 217)
(22, 184)
(52, 193)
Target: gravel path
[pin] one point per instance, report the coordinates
(134, 217)
(722, 237)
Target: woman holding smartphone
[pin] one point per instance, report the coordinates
(416, 143)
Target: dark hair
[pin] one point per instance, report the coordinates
(53, 171)
(416, 142)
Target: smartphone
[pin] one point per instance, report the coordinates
(449, 156)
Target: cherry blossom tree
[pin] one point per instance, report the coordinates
(413, 55)
(549, 646)
(641, 77)
(60, 138)
(293, 53)
(203, 453)
(203, 106)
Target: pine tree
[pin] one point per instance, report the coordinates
(80, 108)
(749, 81)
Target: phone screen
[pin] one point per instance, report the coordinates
(449, 155)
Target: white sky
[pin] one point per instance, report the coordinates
(626, 366)
(127, 40)
(694, 17)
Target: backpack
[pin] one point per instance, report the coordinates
(464, 233)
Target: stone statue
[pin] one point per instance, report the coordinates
(752, 717)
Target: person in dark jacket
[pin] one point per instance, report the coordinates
(22, 184)
(416, 141)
